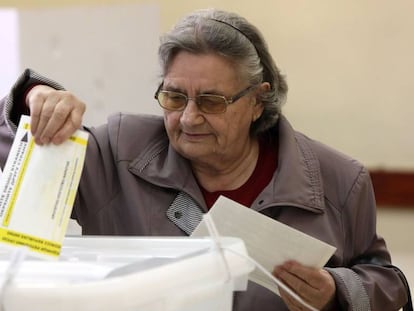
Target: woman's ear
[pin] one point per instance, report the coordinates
(258, 106)
(264, 87)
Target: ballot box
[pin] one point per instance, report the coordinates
(129, 274)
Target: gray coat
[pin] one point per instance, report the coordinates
(134, 183)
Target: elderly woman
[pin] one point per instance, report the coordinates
(222, 133)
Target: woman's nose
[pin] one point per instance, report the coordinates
(191, 114)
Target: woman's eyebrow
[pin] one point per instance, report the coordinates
(177, 89)
(173, 89)
(212, 92)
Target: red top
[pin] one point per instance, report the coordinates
(265, 168)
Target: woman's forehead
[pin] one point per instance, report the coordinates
(208, 68)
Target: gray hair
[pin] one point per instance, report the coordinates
(232, 36)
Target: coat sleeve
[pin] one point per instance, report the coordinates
(13, 106)
(366, 283)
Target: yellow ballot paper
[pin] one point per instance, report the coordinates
(37, 191)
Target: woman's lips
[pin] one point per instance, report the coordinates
(195, 136)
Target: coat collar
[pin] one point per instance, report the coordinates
(297, 181)
(161, 165)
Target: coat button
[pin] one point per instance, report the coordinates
(178, 214)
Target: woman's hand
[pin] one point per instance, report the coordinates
(55, 115)
(315, 286)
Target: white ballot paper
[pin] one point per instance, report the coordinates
(38, 189)
(268, 242)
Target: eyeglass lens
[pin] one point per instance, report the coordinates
(206, 103)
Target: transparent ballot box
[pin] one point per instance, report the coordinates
(129, 274)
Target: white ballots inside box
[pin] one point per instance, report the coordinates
(130, 274)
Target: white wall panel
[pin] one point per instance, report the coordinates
(106, 55)
(9, 49)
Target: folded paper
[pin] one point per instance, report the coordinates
(268, 242)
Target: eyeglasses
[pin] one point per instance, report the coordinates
(207, 103)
